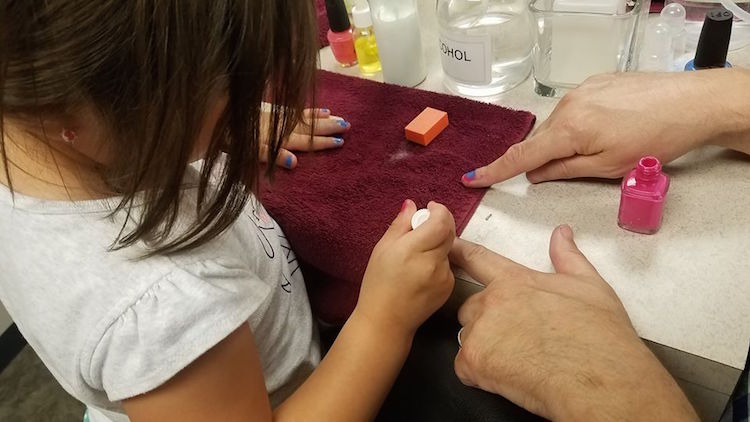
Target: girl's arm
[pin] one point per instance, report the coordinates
(407, 279)
(355, 376)
(227, 384)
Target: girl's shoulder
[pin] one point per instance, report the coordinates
(112, 317)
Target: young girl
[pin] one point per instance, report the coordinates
(141, 282)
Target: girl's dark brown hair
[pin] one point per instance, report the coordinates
(149, 69)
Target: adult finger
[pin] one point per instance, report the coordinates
(565, 255)
(569, 168)
(437, 233)
(469, 311)
(461, 365)
(520, 158)
(300, 142)
(480, 263)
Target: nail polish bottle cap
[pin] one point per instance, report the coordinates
(419, 218)
(338, 18)
(361, 15)
(713, 43)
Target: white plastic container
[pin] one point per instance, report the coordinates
(399, 41)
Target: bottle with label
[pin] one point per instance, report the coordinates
(364, 39)
(399, 41)
(485, 45)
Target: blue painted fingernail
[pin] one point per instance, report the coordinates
(324, 110)
(289, 161)
(468, 177)
(338, 141)
(343, 123)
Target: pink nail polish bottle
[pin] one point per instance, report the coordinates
(340, 35)
(644, 190)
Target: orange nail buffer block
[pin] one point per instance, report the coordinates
(425, 127)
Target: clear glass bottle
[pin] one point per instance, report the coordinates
(485, 45)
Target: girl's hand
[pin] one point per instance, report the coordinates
(326, 131)
(604, 126)
(409, 276)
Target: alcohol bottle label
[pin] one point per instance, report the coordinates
(467, 58)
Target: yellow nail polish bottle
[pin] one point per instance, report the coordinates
(364, 39)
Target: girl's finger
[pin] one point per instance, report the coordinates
(402, 223)
(299, 142)
(437, 232)
(324, 127)
(286, 159)
(319, 113)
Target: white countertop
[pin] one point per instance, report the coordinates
(687, 287)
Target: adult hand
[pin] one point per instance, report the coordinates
(604, 126)
(560, 345)
(409, 275)
(326, 133)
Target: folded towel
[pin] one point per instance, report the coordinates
(336, 204)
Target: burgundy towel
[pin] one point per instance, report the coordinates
(336, 204)
(323, 26)
(656, 6)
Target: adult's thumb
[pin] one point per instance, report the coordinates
(565, 255)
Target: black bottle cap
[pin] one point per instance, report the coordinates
(713, 43)
(338, 18)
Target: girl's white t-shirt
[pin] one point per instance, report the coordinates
(111, 325)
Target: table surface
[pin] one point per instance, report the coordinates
(687, 287)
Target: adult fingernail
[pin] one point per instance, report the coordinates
(343, 123)
(470, 176)
(325, 110)
(533, 178)
(288, 162)
(566, 231)
(338, 141)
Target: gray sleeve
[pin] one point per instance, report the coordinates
(179, 318)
